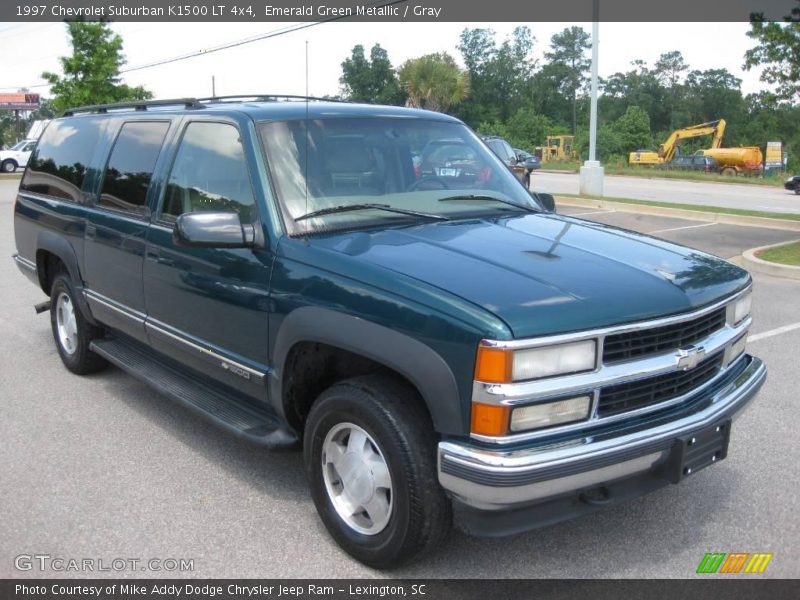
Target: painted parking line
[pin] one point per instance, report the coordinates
(773, 332)
(682, 227)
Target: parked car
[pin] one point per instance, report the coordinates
(441, 347)
(507, 154)
(17, 156)
(529, 161)
(692, 162)
(793, 184)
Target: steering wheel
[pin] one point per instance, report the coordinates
(428, 179)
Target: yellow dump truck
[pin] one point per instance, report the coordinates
(745, 160)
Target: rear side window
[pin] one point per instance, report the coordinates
(209, 174)
(130, 166)
(58, 165)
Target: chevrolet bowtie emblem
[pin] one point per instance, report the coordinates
(689, 357)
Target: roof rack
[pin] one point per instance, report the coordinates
(136, 105)
(243, 97)
(191, 102)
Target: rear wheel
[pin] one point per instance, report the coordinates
(9, 166)
(72, 332)
(797, 190)
(370, 458)
(729, 172)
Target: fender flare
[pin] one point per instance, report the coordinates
(418, 363)
(59, 246)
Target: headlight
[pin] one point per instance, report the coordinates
(502, 365)
(550, 413)
(741, 308)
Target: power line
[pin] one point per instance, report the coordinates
(226, 46)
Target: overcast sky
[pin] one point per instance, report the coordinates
(277, 65)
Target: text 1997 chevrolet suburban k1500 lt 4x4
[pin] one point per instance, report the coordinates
(441, 343)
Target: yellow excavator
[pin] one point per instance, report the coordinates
(557, 147)
(666, 152)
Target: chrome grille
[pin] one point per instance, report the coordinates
(640, 343)
(624, 397)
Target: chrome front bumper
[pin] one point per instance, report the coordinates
(502, 479)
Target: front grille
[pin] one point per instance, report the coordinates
(623, 397)
(645, 342)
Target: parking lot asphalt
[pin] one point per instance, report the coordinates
(743, 196)
(101, 467)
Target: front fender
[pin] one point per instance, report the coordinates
(418, 363)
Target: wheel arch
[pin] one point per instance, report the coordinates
(50, 246)
(416, 362)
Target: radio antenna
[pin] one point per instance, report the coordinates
(305, 167)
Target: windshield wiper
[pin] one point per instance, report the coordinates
(369, 206)
(485, 197)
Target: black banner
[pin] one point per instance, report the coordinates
(398, 10)
(749, 588)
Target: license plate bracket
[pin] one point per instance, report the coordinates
(699, 450)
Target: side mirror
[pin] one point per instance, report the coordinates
(546, 200)
(213, 230)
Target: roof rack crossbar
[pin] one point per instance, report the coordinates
(134, 104)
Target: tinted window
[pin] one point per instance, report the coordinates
(130, 166)
(58, 166)
(209, 173)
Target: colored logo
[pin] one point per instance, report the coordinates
(734, 562)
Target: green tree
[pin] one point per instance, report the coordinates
(92, 72)
(370, 79)
(434, 81)
(633, 130)
(499, 75)
(668, 69)
(778, 52)
(568, 50)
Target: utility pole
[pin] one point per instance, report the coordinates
(591, 178)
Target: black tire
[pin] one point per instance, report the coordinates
(9, 166)
(81, 360)
(797, 190)
(392, 413)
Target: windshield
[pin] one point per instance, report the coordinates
(406, 164)
(18, 145)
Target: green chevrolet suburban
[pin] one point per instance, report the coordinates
(441, 344)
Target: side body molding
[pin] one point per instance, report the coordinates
(418, 363)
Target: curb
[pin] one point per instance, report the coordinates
(754, 264)
(695, 215)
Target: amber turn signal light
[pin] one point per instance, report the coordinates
(488, 419)
(493, 365)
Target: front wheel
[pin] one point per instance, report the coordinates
(9, 166)
(370, 458)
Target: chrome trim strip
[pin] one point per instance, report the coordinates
(614, 329)
(726, 403)
(24, 262)
(151, 324)
(92, 296)
(159, 327)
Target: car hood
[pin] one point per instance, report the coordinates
(543, 274)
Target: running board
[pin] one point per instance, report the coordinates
(246, 420)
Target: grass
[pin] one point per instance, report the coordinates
(788, 254)
(694, 207)
(655, 173)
